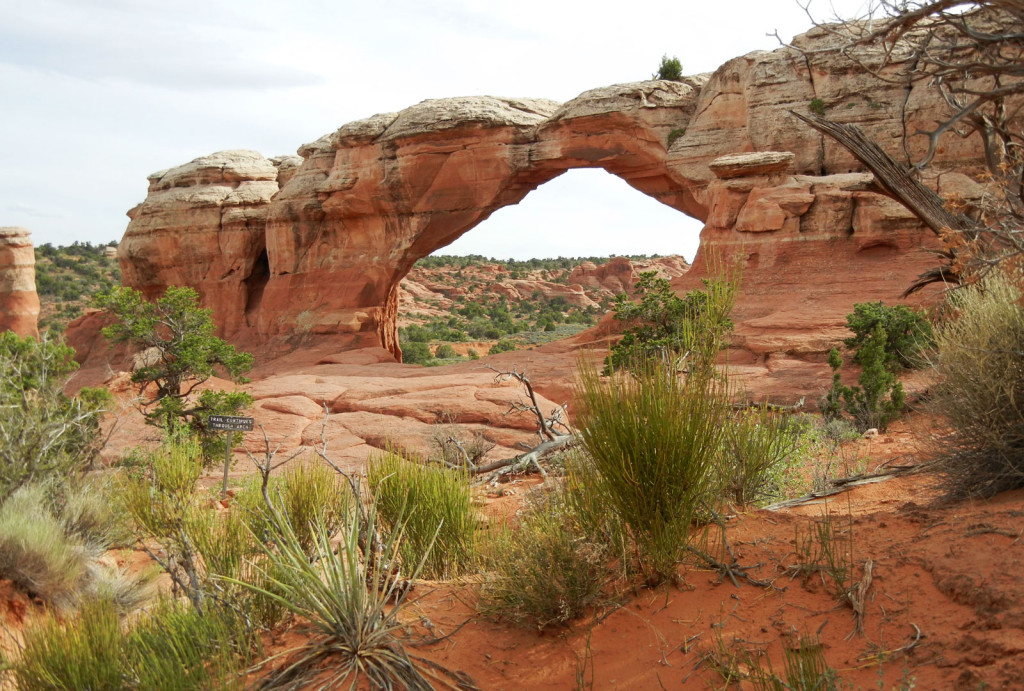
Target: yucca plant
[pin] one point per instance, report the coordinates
(432, 505)
(350, 596)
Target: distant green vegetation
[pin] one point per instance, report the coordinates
(463, 261)
(68, 277)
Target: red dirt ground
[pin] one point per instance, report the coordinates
(942, 609)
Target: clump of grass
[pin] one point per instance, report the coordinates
(306, 494)
(826, 549)
(171, 648)
(433, 507)
(37, 554)
(175, 648)
(805, 667)
(84, 653)
(654, 440)
(759, 447)
(350, 622)
(981, 387)
(547, 571)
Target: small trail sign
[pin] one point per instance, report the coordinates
(230, 423)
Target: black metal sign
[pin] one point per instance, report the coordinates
(230, 423)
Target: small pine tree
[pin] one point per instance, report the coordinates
(879, 399)
(670, 69)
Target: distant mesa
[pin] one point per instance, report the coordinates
(316, 245)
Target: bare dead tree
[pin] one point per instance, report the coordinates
(552, 428)
(972, 53)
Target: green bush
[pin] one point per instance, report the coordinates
(760, 446)
(980, 364)
(907, 334)
(43, 433)
(683, 331)
(547, 571)
(878, 400)
(445, 351)
(432, 506)
(654, 440)
(416, 353)
(502, 346)
(670, 69)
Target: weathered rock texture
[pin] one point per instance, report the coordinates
(19, 303)
(281, 249)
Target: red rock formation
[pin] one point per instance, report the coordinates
(325, 252)
(19, 303)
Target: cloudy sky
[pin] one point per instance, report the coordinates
(98, 94)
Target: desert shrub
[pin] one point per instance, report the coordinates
(670, 68)
(84, 653)
(445, 351)
(502, 346)
(351, 624)
(432, 506)
(759, 447)
(416, 353)
(981, 390)
(817, 106)
(907, 334)
(43, 433)
(654, 440)
(547, 571)
(879, 398)
(37, 554)
(683, 331)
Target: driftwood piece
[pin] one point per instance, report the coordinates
(895, 178)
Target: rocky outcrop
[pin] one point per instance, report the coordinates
(283, 249)
(19, 303)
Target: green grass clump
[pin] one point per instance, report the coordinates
(306, 494)
(84, 653)
(547, 571)
(171, 648)
(36, 552)
(654, 440)
(759, 447)
(432, 505)
(981, 387)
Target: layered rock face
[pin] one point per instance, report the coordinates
(280, 248)
(19, 303)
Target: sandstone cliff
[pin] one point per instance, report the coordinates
(285, 248)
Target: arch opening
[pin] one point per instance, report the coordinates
(535, 290)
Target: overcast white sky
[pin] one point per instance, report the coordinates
(98, 94)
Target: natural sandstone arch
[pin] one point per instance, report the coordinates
(342, 225)
(394, 188)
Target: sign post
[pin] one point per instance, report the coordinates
(230, 424)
